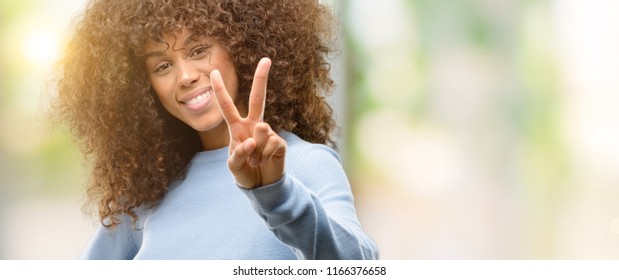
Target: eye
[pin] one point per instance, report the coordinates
(199, 51)
(161, 68)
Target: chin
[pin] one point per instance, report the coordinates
(206, 125)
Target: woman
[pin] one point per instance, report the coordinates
(194, 156)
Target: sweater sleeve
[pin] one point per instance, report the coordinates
(311, 209)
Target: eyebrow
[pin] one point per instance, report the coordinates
(190, 39)
(193, 38)
(153, 54)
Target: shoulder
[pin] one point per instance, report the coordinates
(299, 148)
(303, 157)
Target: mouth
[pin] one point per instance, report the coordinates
(197, 100)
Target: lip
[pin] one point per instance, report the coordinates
(201, 104)
(193, 94)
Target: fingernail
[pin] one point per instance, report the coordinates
(253, 161)
(246, 147)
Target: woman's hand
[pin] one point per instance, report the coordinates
(257, 153)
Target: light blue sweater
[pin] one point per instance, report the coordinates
(308, 214)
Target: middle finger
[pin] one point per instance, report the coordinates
(258, 93)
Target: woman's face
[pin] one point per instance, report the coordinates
(179, 72)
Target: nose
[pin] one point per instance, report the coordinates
(187, 74)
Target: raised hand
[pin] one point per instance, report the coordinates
(257, 153)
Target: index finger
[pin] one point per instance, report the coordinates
(224, 101)
(258, 93)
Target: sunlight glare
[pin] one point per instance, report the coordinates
(40, 47)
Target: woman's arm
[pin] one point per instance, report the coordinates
(311, 208)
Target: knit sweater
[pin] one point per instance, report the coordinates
(308, 214)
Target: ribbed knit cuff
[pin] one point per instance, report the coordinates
(270, 196)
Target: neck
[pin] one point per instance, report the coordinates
(215, 138)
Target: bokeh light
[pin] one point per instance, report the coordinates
(41, 47)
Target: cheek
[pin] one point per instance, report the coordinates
(231, 81)
(233, 88)
(165, 96)
(162, 90)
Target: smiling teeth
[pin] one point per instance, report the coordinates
(199, 98)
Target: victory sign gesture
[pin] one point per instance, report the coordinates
(257, 153)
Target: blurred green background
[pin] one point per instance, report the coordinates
(471, 129)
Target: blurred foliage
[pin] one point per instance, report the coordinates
(516, 138)
(38, 158)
